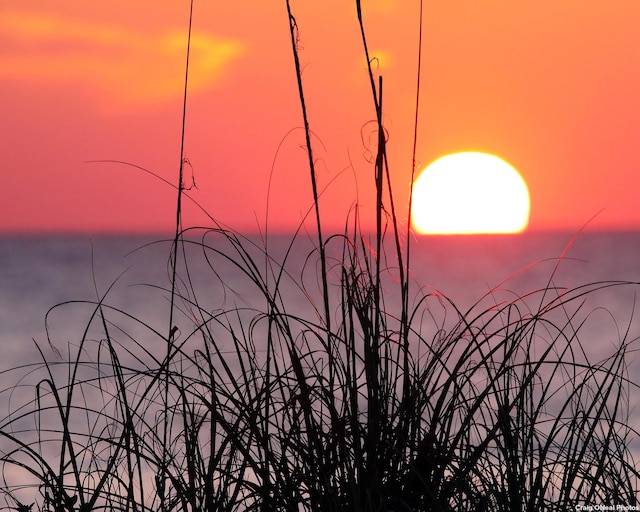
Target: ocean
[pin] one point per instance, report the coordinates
(40, 272)
(50, 286)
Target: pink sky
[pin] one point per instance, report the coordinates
(550, 87)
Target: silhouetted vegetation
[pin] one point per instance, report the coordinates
(337, 386)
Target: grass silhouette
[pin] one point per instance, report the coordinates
(316, 389)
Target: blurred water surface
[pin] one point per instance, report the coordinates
(38, 272)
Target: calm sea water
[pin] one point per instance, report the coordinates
(132, 274)
(38, 272)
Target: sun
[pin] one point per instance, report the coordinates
(470, 193)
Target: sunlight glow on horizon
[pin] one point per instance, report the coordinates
(470, 193)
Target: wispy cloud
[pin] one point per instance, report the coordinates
(125, 67)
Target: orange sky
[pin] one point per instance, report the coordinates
(551, 87)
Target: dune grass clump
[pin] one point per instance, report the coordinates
(336, 385)
(257, 407)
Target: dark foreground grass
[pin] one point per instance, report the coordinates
(499, 409)
(335, 386)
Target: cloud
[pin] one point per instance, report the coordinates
(125, 67)
(381, 60)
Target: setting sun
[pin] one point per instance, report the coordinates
(470, 193)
